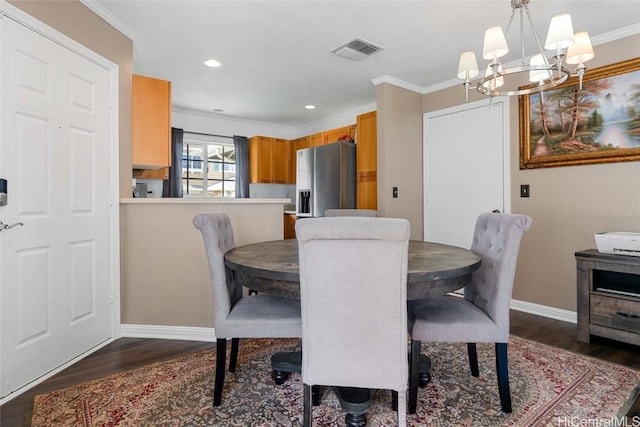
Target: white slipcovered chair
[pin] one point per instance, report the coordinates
(482, 315)
(351, 212)
(353, 292)
(235, 316)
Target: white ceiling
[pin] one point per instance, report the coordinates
(276, 55)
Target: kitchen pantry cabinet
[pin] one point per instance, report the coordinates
(367, 161)
(151, 123)
(269, 160)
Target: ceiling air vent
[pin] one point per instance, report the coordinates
(357, 49)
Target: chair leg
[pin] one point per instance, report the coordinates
(221, 361)
(402, 408)
(473, 359)
(502, 369)
(307, 405)
(414, 368)
(233, 357)
(316, 395)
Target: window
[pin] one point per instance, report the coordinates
(208, 166)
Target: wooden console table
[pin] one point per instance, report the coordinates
(608, 290)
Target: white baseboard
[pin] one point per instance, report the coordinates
(189, 333)
(208, 334)
(545, 311)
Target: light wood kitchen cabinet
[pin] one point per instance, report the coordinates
(316, 139)
(335, 135)
(367, 161)
(269, 160)
(289, 226)
(151, 123)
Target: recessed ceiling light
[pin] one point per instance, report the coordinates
(310, 107)
(212, 63)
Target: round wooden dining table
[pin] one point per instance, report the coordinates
(272, 267)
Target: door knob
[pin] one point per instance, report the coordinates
(4, 226)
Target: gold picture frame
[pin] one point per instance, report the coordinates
(598, 124)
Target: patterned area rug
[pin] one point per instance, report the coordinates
(549, 386)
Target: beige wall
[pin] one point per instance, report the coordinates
(76, 21)
(165, 276)
(568, 204)
(400, 155)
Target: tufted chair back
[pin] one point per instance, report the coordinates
(218, 239)
(353, 293)
(497, 240)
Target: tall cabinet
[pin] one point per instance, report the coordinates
(151, 123)
(367, 161)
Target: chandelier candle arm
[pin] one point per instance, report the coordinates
(580, 52)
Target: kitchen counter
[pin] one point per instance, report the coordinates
(201, 200)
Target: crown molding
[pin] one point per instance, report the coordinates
(116, 23)
(620, 33)
(397, 82)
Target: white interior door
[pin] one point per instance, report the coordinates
(55, 153)
(466, 169)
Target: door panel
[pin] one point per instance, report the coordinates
(466, 169)
(56, 270)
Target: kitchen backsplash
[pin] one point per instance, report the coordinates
(154, 187)
(271, 191)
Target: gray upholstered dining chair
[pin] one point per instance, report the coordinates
(353, 293)
(482, 315)
(351, 212)
(235, 316)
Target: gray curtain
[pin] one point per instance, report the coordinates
(241, 144)
(172, 187)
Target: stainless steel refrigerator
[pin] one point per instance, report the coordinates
(325, 179)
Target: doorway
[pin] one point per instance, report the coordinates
(466, 168)
(58, 153)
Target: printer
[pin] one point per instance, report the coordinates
(618, 243)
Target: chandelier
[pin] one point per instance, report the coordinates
(541, 73)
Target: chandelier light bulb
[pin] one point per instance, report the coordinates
(560, 34)
(496, 81)
(495, 45)
(538, 76)
(580, 51)
(467, 66)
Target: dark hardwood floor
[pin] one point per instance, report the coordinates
(129, 353)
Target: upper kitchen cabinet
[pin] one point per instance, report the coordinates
(151, 123)
(367, 161)
(339, 134)
(316, 139)
(269, 160)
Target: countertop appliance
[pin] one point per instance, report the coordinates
(325, 179)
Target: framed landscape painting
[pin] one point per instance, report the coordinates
(598, 124)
